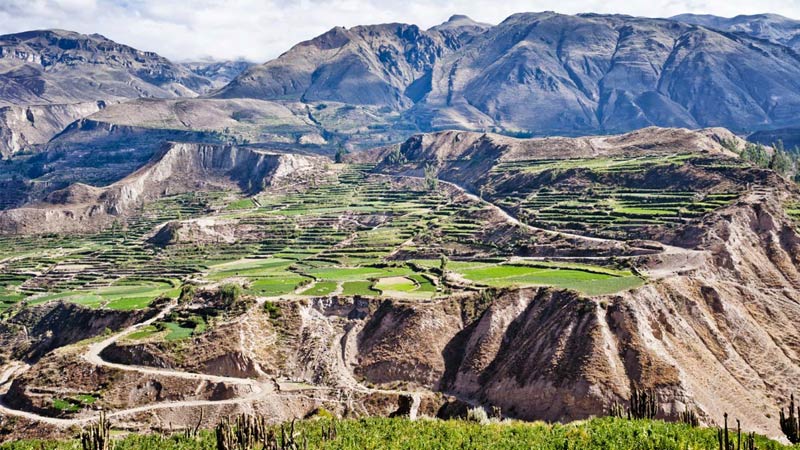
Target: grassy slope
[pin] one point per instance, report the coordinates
(389, 434)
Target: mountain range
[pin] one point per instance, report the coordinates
(533, 74)
(543, 73)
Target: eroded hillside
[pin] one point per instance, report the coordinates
(548, 278)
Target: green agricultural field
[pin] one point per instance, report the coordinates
(347, 231)
(276, 286)
(321, 288)
(176, 332)
(581, 279)
(249, 268)
(245, 203)
(409, 286)
(144, 333)
(358, 288)
(122, 296)
(402, 434)
(596, 164)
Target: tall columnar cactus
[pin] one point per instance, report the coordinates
(98, 435)
(689, 417)
(724, 438)
(726, 443)
(643, 404)
(617, 410)
(790, 424)
(226, 439)
(252, 432)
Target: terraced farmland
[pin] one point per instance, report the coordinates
(614, 213)
(350, 234)
(598, 203)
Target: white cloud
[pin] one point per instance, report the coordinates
(262, 29)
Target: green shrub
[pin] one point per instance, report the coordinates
(230, 292)
(273, 310)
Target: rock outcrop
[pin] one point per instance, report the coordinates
(177, 168)
(29, 127)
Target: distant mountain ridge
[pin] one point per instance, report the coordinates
(772, 27)
(57, 66)
(383, 64)
(219, 73)
(543, 74)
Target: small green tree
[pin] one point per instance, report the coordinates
(396, 156)
(230, 292)
(756, 154)
(781, 161)
(341, 151)
(187, 293)
(431, 181)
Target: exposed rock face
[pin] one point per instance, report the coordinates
(721, 338)
(468, 157)
(27, 127)
(177, 168)
(181, 167)
(34, 331)
(56, 66)
(551, 73)
(543, 73)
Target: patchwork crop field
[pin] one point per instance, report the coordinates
(353, 233)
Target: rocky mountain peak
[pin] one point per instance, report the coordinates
(59, 66)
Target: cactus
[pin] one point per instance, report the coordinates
(643, 404)
(617, 410)
(225, 436)
(725, 442)
(750, 442)
(98, 435)
(329, 433)
(191, 433)
(723, 437)
(790, 425)
(249, 432)
(689, 417)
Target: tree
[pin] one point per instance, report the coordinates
(396, 157)
(431, 181)
(757, 154)
(781, 162)
(443, 260)
(341, 151)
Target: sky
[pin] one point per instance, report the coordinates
(259, 30)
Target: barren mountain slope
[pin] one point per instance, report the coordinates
(612, 73)
(386, 64)
(771, 27)
(543, 74)
(57, 66)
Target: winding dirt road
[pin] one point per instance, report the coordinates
(259, 389)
